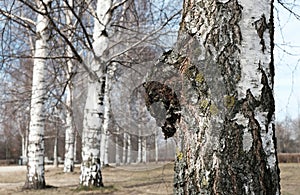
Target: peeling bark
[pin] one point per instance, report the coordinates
(224, 64)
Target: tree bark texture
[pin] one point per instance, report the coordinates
(91, 135)
(223, 62)
(35, 178)
(107, 113)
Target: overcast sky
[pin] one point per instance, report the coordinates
(287, 60)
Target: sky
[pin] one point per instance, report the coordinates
(287, 63)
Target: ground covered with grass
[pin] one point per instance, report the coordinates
(137, 179)
(290, 178)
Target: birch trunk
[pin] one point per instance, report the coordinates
(228, 141)
(23, 146)
(103, 142)
(128, 148)
(23, 131)
(106, 119)
(117, 147)
(144, 149)
(224, 62)
(55, 151)
(156, 146)
(94, 108)
(139, 153)
(106, 148)
(124, 148)
(35, 178)
(75, 147)
(70, 131)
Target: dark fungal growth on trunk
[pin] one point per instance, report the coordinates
(160, 98)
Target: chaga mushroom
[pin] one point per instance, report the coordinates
(168, 103)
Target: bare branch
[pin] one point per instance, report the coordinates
(116, 5)
(81, 24)
(297, 16)
(146, 36)
(25, 22)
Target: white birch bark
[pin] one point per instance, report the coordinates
(102, 144)
(94, 108)
(156, 146)
(70, 131)
(144, 149)
(75, 147)
(106, 148)
(117, 147)
(139, 152)
(124, 148)
(107, 107)
(35, 178)
(24, 137)
(55, 151)
(128, 148)
(23, 145)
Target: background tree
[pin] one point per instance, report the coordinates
(287, 133)
(70, 127)
(35, 167)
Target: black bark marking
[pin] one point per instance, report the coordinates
(261, 26)
(256, 155)
(267, 99)
(101, 96)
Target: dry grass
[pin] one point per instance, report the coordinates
(290, 177)
(134, 179)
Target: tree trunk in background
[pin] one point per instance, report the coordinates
(124, 148)
(55, 151)
(94, 108)
(106, 148)
(226, 133)
(117, 147)
(24, 152)
(23, 131)
(35, 178)
(128, 148)
(144, 149)
(156, 146)
(139, 152)
(70, 130)
(75, 147)
(223, 64)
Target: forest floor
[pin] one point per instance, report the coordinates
(136, 179)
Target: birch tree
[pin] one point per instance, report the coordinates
(70, 130)
(223, 61)
(94, 108)
(35, 167)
